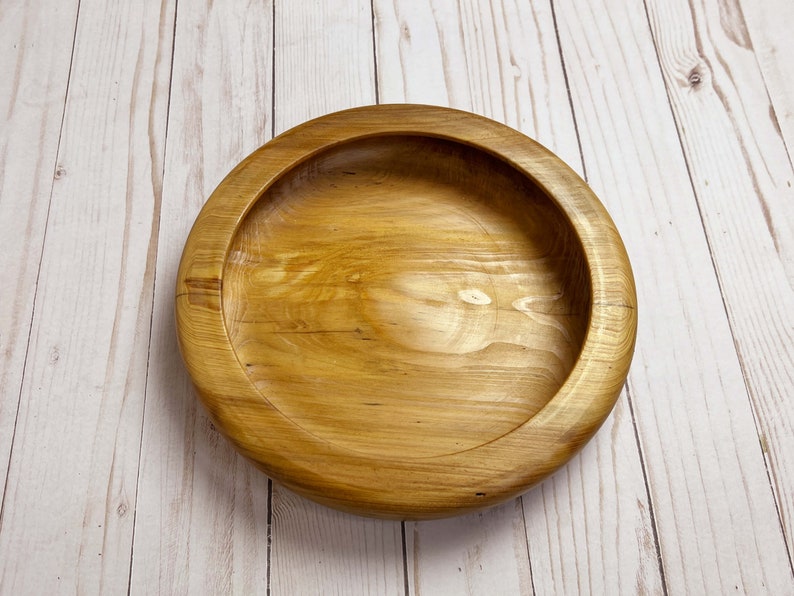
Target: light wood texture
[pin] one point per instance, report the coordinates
(767, 25)
(202, 516)
(443, 558)
(705, 468)
(73, 471)
(325, 52)
(443, 53)
(320, 550)
(34, 58)
(404, 294)
(496, 302)
(711, 427)
(716, 87)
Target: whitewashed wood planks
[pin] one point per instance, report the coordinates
(769, 29)
(480, 553)
(68, 515)
(705, 468)
(742, 178)
(324, 62)
(202, 511)
(317, 550)
(35, 54)
(589, 526)
(324, 59)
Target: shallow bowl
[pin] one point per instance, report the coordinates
(406, 311)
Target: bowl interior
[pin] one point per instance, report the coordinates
(406, 295)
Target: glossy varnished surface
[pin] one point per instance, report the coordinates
(399, 294)
(410, 283)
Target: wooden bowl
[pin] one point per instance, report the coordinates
(406, 311)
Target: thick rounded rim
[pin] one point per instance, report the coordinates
(395, 487)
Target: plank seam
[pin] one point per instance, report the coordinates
(526, 544)
(641, 456)
(651, 513)
(155, 236)
(762, 72)
(38, 271)
(374, 54)
(269, 523)
(273, 81)
(715, 267)
(269, 548)
(568, 89)
(405, 560)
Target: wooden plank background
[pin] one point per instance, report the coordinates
(119, 118)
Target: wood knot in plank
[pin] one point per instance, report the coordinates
(695, 78)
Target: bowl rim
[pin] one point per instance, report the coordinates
(405, 488)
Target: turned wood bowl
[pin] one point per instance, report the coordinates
(406, 311)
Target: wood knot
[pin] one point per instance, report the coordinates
(694, 78)
(60, 172)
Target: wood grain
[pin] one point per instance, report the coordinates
(435, 52)
(324, 62)
(609, 535)
(317, 550)
(202, 511)
(540, 223)
(411, 283)
(716, 87)
(444, 558)
(34, 59)
(705, 469)
(768, 28)
(73, 470)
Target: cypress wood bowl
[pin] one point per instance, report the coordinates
(406, 311)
